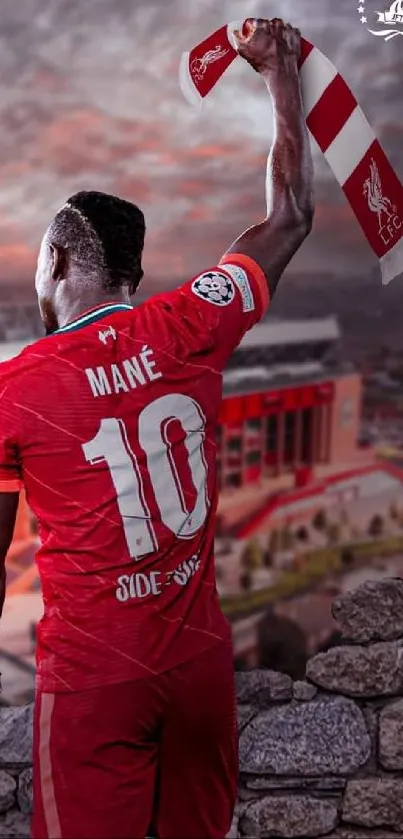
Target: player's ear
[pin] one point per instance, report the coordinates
(59, 262)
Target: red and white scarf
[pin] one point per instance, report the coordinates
(339, 127)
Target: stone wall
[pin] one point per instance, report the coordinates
(325, 757)
(321, 758)
(15, 771)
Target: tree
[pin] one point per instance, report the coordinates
(319, 521)
(376, 526)
(288, 539)
(282, 645)
(302, 533)
(252, 555)
(347, 557)
(245, 581)
(240, 664)
(333, 533)
(274, 541)
(268, 561)
(394, 511)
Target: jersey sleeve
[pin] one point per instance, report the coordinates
(216, 308)
(10, 468)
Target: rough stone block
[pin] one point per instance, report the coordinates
(391, 736)
(8, 789)
(290, 817)
(16, 735)
(14, 825)
(372, 612)
(304, 691)
(25, 791)
(374, 803)
(262, 687)
(326, 736)
(359, 671)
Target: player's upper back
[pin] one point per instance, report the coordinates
(132, 395)
(117, 357)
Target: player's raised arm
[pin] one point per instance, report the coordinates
(273, 50)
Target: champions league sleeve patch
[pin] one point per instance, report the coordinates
(240, 279)
(214, 287)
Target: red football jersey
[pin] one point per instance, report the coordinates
(110, 424)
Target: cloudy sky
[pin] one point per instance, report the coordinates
(89, 98)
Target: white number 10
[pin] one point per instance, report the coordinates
(111, 445)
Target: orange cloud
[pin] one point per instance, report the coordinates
(17, 259)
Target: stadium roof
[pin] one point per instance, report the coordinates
(268, 334)
(280, 332)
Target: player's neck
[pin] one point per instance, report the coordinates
(87, 302)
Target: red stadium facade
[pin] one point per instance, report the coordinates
(290, 404)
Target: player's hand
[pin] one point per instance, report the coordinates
(269, 45)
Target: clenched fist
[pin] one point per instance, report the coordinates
(269, 45)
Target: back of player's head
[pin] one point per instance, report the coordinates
(104, 236)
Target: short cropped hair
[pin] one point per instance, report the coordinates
(105, 237)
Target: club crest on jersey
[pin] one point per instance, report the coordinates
(103, 335)
(214, 287)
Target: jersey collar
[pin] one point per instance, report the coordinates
(92, 315)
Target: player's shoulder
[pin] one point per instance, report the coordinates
(236, 279)
(235, 291)
(213, 285)
(218, 284)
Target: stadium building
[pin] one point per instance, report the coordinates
(290, 404)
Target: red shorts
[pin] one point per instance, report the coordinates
(159, 754)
